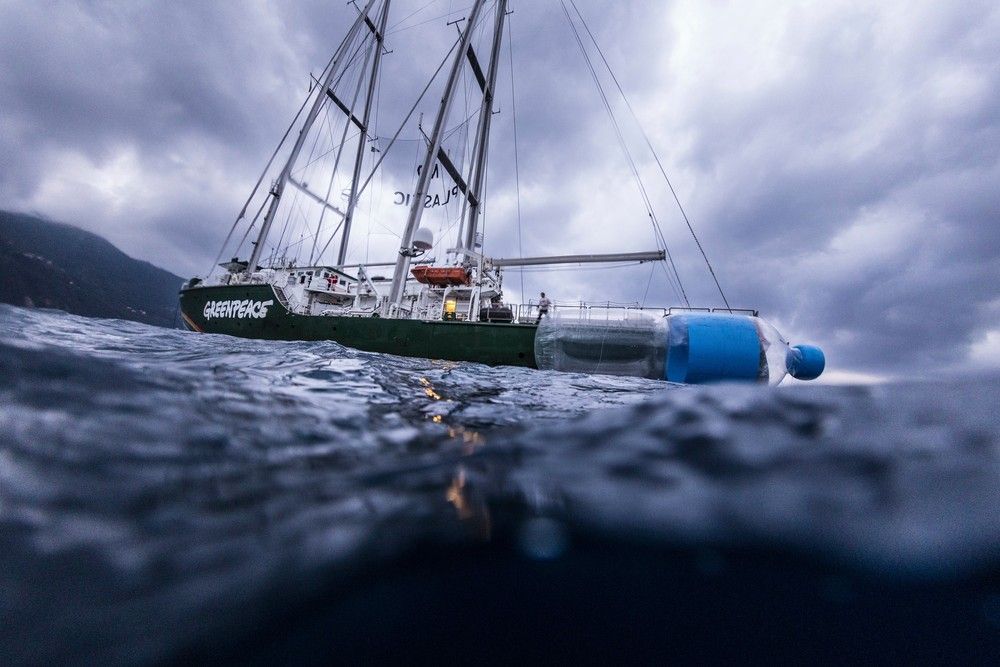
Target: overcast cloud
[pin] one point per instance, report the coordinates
(840, 160)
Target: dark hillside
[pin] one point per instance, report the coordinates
(52, 265)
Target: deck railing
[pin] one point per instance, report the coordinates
(527, 313)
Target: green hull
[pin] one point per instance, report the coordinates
(243, 311)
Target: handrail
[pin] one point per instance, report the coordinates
(528, 311)
(689, 309)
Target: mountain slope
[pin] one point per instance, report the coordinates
(52, 265)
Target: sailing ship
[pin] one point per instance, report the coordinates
(448, 308)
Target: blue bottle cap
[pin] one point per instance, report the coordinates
(805, 362)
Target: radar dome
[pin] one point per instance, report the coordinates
(423, 239)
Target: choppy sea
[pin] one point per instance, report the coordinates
(174, 497)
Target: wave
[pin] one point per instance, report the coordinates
(163, 491)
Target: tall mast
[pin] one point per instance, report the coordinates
(359, 159)
(417, 203)
(279, 185)
(483, 131)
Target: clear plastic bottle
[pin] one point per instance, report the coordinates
(608, 347)
(689, 347)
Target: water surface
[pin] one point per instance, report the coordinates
(173, 496)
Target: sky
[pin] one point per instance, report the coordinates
(839, 160)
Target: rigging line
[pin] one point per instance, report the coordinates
(329, 124)
(249, 229)
(517, 168)
(284, 228)
(299, 172)
(649, 282)
(351, 63)
(674, 281)
(656, 157)
(409, 115)
(425, 22)
(333, 144)
(267, 167)
(667, 274)
(460, 126)
(371, 209)
(446, 59)
(442, 232)
(333, 147)
(361, 135)
(303, 234)
(411, 15)
(253, 193)
(670, 279)
(351, 60)
(472, 149)
(337, 229)
(333, 84)
(333, 235)
(288, 218)
(312, 149)
(377, 48)
(441, 228)
(657, 230)
(621, 142)
(330, 64)
(302, 239)
(465, 200)
(340, 152)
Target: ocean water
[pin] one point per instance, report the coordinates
(173, 497)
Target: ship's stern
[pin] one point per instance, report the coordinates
(248, 310)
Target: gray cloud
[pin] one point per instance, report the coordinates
(840, 162)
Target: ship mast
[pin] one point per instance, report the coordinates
(278, 188)
(434, 152)
(481, 149)
(359, 159)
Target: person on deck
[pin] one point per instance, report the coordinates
(543, 307)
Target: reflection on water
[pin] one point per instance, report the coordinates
(429, 389)
(162, 492)
(471, 509)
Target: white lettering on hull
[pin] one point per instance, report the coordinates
(237, 309)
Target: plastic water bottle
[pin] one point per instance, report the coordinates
(692, 348)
